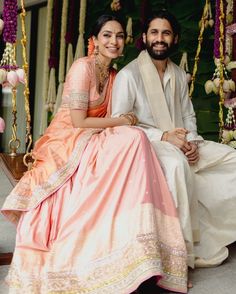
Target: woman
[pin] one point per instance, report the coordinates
(94, 214)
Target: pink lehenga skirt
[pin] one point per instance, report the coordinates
(106, 229)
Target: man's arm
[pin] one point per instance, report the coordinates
(188, 114)
(124, 95)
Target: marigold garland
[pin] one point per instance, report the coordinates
(91, 46)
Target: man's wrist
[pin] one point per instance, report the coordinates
(164, 136)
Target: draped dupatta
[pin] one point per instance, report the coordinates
(165, 118)
(58, 153)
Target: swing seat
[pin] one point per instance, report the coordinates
(13, 167)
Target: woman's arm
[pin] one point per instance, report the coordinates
(80, 120)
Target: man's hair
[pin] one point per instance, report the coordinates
(163, 14)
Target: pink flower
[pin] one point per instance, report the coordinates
(2, 125)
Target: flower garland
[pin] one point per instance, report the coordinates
(43, 122)
(53, 59)
(184, 65)
(2, 123)
(115, 5)
(229, 131)
(91, 47)
(61, 74)
(220, 65)
(80, 50)
(1, 25)
(10, 73)
(10, 21)
(230, 31)
(69, 37)
(129, 31)
(221, 83)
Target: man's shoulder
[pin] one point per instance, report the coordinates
(178, 69)
(130, 67)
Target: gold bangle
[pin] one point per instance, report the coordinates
(131, 117)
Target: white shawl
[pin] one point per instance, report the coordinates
(165, 118)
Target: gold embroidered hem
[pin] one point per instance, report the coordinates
(27, 195)
(117, 273)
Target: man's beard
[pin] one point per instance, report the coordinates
(160, 54)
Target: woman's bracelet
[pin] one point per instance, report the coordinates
(131, 117)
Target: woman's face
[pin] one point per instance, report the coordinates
(110, 41)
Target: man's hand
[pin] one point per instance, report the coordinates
(192, 154)
(177, 137)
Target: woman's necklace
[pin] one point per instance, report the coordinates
(103, 74)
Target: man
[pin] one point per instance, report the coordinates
(201, 174)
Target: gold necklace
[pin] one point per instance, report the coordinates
(103, 74)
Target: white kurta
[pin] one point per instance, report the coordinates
(212, 180)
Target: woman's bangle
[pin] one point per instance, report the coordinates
(131, 117)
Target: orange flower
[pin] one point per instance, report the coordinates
(91, 46)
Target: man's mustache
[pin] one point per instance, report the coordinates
(160, 43)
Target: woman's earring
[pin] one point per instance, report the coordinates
(96, 50)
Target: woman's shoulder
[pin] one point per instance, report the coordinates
(83, 64)
(86, 61)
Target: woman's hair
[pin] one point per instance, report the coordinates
(102, 20)
(163, 14)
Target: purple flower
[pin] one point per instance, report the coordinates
(10, 21)
(9, 67)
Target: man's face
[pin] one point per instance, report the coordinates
(160, 40)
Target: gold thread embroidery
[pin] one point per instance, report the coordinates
(78, 101)
(116, 273)
(22, 198)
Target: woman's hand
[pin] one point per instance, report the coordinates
(130, 118)
(80, 119)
